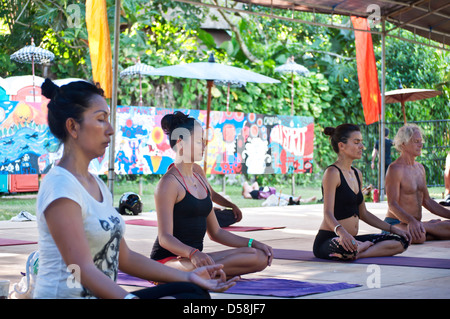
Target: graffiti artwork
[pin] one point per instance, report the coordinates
(236, 142)
(26, 144)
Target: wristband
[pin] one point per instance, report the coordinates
(130, 296)
(335, 228)
(193, 251)
(250, 242)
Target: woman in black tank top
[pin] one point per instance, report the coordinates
(184, 206)
(344, 206)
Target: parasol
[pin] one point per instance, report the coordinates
(212, 71)
(229, 84)
(32, 54)
(407, 95)
(138, 69)
(291, 67)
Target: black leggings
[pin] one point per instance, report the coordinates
(178, 290)
(326, 244)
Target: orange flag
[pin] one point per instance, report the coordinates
(99, 44)
(367, 71)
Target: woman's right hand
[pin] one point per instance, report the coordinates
(200, 259)
(212, 278)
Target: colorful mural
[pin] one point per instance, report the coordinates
(26, 144)
(237, 142)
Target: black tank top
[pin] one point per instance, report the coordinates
(189, 222)
(346, 202)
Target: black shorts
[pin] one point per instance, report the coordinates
(326, 244)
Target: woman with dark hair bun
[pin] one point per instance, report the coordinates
(184, 206)
(343, 205)
(80, 232)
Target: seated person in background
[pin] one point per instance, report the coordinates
(344, 206)
(254, 191)
(184, 206)
(446, 201)
(407, 192)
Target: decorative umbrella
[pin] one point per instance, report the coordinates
(291, 67)
(139, 69)
(32, 54)
(229, 85)
(211, 71)
(406, 95)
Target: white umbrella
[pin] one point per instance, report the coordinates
(291, 67)
(212, 71)
(32, 54)
(229, 84)
(138, 69)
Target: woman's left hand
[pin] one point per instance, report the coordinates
(212, 278)
(266, 249)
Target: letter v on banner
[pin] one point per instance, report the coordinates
(367, 71)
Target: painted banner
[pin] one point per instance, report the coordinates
(237, 142)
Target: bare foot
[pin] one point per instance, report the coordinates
(363, 246)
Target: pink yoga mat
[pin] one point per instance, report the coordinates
(144, 222)
(303, 255)
(10, 242)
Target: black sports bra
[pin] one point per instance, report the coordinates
(346, 202)
(189, 221)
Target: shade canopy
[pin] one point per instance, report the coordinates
(407, 95)
(214, 72)
(32, 54)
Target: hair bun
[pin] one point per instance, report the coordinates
(171, 121)
(329, 131)
(49, 89)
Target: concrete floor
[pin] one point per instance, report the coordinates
(301, 224)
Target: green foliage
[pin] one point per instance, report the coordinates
(161, 33)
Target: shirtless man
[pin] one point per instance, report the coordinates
(407, 192)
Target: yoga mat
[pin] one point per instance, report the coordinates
(284, 287)
(125, 279)
(303, 255)
(261, 286)
(144, 222)
(11, 242)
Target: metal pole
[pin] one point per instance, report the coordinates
(114, 97)
(382, 150)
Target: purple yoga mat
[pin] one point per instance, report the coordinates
(125, 279)
(261, 286)
(284, 287)
(303, 255)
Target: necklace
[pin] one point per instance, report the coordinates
(194, 183)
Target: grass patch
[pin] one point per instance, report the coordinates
(11, 205)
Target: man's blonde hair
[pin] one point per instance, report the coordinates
(404, 134)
